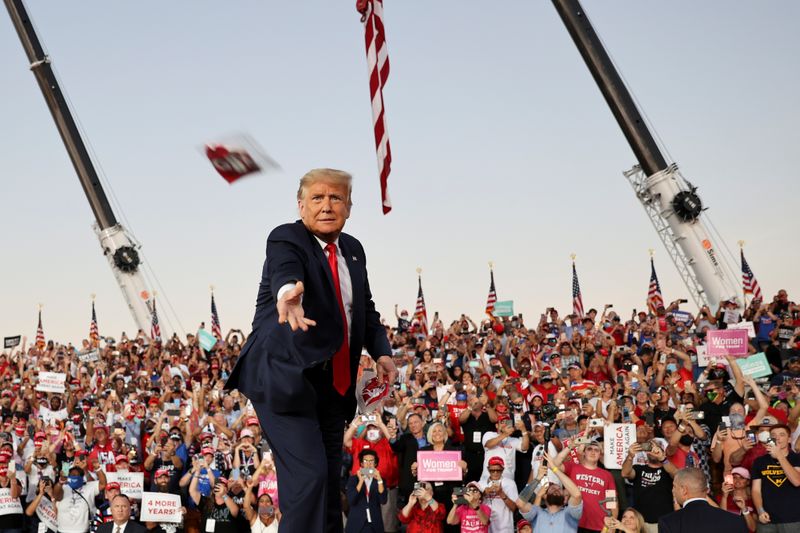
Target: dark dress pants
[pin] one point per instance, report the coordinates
(308, 458)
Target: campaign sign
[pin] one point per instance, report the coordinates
(89, 356)
(161, 507)
(439, 466)
(12, 342)
(131, 484)
(9, 505)
(682, 316)
(51, 382)
(617, 438)
(751, 330)
(206, 340)
(504, 308)
(756, 365)
(722, 342)
(46, 512)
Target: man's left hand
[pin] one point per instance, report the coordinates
(385, 367)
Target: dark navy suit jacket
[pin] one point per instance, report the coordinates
(699, 517)
(271, 365)
(360, 502)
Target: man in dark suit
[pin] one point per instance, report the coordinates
(365, 495)
(122, 523)
(690, 489)
(314, 313)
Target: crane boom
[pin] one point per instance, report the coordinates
(117, 244)
(670, 201)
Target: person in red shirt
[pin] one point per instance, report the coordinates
(375, 436)
(592, 480)
(454, 411)
(102, 453)
(423, 514)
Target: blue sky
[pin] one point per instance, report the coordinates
(503, 148)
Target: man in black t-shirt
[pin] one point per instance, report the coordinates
(474, 423)
(776, 482)
(652, 481)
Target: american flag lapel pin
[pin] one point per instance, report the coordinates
(355, 258)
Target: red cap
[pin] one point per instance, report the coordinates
(111, 485)
(81, 453)
(523, 523)
(153, 401)
(120, 459)
(497, 461)
(162, 472)
(39, 435)
(251, 421)
(207, 450)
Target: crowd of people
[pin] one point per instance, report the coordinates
(526, 405)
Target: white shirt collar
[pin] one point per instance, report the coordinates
(121, 528)
(690, 500)
(323, 244)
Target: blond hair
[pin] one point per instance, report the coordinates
(329, 175)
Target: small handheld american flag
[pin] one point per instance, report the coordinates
(421, 314)
(749, 280)
(491, 299)
(654, 298)
(155, 329)
(40, 342)
(94, 335)
(577, 299)
(215, 328)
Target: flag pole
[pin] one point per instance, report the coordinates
(652, 252)
(744, 291)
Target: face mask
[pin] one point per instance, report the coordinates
(763, 436)
(687, 440)
(266, 510)
(737, 420)
(712, 395)
(373, 435)
(606, 324)
(672, 367)
(75, 482)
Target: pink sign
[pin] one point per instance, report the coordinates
(722, 342)
(439, 466)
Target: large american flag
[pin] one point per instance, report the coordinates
(492, 297)
(94, 334)
(654, 298)
(749, 280)
(420, 313)
(577, 299)
(40, 342)
(215, 329)
(378, 64)
(155, 329)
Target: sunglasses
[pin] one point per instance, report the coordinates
(495, 470)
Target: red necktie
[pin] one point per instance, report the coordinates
(341, 359)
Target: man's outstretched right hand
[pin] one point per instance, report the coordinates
(290, 309)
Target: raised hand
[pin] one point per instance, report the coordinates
(290, 309)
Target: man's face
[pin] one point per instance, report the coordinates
(162, 482)
(781, 437)
(121, 509)
(415, 424)
(324, 209)
(111, 494)
(495, 472)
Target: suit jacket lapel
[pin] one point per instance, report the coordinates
(316, 249)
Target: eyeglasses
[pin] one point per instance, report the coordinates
(495, 470)
(473, 489)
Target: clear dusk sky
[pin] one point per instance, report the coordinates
(503, 149)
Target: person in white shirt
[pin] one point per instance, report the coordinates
(500, 494)
(75, 500)
(502, 444)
